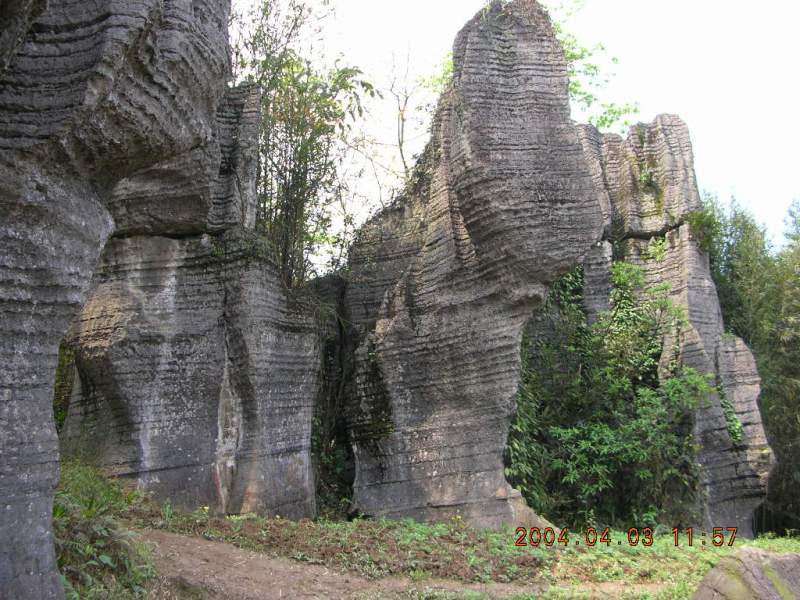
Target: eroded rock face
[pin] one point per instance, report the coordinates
(649, 182)
(442, 283)
(196, 375)
(90, 92)
(753, 574)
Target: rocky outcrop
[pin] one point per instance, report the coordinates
(90, 93)
(753, 574)
(196, 376)
(442, 283)
(648, 191)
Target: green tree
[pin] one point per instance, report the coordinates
(779, 363)
(759, 290)
(588, 78)
(599, 437)
(744, 270)
(307, 114)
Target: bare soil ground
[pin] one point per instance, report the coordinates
(191, 567)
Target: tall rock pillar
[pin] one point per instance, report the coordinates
(442, 283)
(90, 91)
(648, 189)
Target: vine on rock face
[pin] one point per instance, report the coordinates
(600, 438)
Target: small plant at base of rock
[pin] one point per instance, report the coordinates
(97, 557)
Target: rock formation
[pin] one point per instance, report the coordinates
(647, 188)
(90, 93)
(753, 574)
(195, 375)
(442, 283)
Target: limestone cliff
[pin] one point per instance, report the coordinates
(90, 93)
(442, 283)
(647, 187)
(195, 374)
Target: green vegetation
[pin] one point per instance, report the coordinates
(587, 76)
(598, 438)
(306, 117)
(97, 556)
(102, 559)
(735, 428)
(759, 290)
(371, 548)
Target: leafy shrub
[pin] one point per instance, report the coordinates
(705, 228)
(96, 556)
(600, 438)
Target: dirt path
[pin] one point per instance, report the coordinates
(216, 571)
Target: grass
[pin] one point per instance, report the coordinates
(97, 556)
(371, 548)
(101, 559)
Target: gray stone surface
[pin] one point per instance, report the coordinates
(139, 83)
(753, 574)
(195, 375)
(442, 283)
(646, 213)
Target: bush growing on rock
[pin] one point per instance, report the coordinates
(599, 437)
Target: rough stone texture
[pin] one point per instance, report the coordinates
(90, 92)
(597, 279)
(15, 20)
(183, 195)
(753, 574)
(646, 182)
(196, 376)
(443, 282)
(646, 211)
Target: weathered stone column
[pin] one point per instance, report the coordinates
(650, 191)
(90, 91)
(442, 283)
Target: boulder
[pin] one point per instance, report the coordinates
(753, 574)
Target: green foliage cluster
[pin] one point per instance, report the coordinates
(600, 437)
(706, 228)
(656, 250)
(97, 557)
(307, 114)
(735, 427)
(759, 290)
(587, 75)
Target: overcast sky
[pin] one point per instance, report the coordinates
(729, 68)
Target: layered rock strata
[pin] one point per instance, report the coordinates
(195, 375)
(646, 185)
(90, 92)
(442, 283)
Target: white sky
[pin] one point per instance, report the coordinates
(729, 68)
